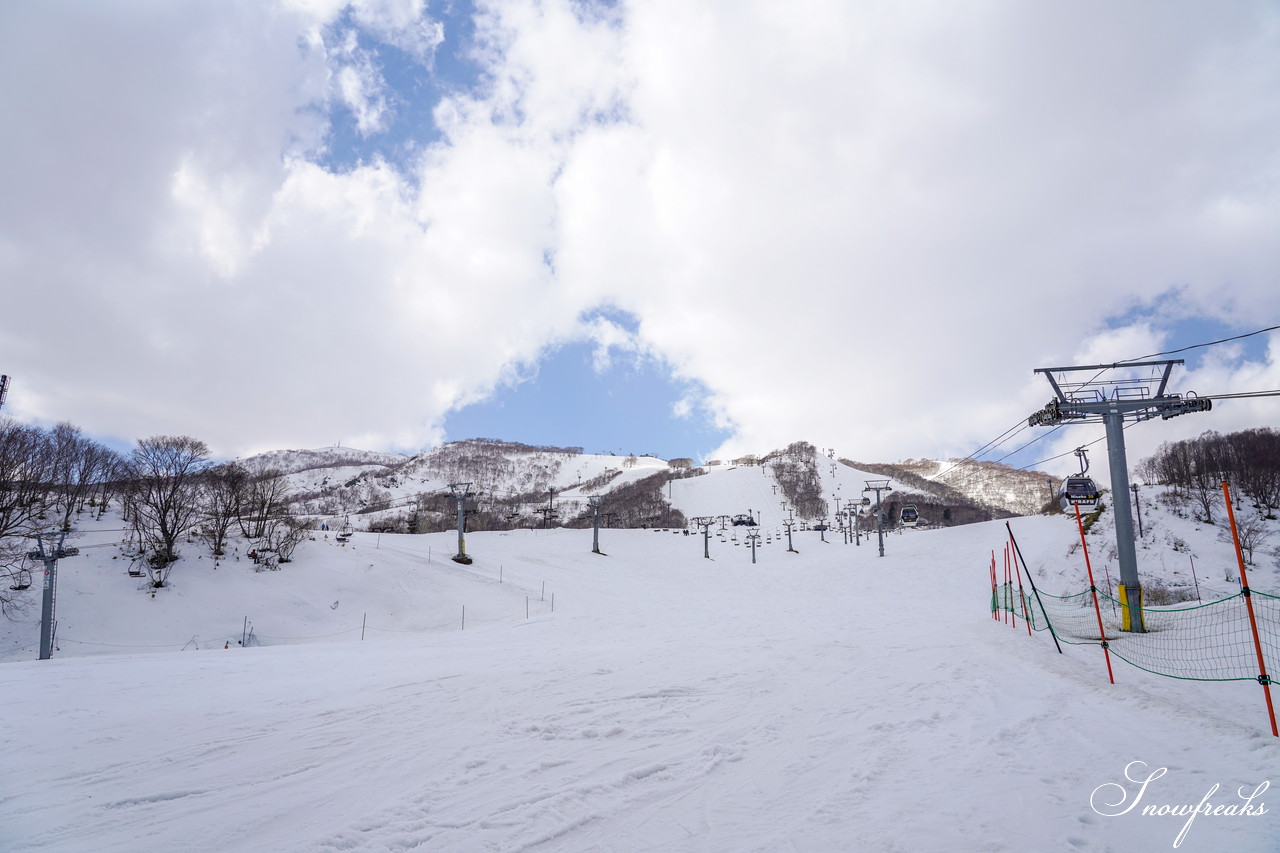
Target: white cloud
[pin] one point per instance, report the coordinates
(869, 229)
(360, 86)
(861, 225)
(406, 24)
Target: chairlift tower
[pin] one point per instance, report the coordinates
(50, 559)
(595, 502)
(705, 523)
(878, 486)
(460, 492)
(548, 512)
(1140, 394)
(789, 524)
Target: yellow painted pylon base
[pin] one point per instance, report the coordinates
(1131, 603)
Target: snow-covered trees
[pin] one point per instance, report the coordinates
(258, 504)
(260, 500)
(224, 487)
(1249, 460)
(165, 474)
(80, 467)
(796, 471)
(284, 534)
(45, 477)
(25, 463)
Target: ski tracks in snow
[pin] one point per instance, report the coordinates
(586, 751)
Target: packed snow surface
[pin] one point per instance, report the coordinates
(826, 700)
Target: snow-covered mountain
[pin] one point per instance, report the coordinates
(294, 461)
(512, 485)
(1002, 490)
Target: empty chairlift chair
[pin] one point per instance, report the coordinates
(1078, 491)
(21, 579)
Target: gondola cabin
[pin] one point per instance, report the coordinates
(1080, 491)
(910, 516)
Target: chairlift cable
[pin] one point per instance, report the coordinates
(972, 457)
(1197, 346)
(1241, 395)
(1183, 349)
(1022, 424)
(1039, 437)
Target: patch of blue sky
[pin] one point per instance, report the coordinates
(411, 88)
(629, 407)
(1182, 329)
(624, 320)
(1185, 329)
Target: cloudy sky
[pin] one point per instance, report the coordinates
(689, 228)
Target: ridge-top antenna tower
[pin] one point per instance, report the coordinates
(1139, 395)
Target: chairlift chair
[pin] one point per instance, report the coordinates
(1079, 490)
(22, 580)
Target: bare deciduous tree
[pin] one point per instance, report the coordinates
(263, 497)
(81, 467)
(1253, 534)
(285, 534)
(26, 472)
(224, 495)
(165, 475)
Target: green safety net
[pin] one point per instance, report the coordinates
(1210, 641)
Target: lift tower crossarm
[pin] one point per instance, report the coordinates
(1089, 402)
(1112, 402)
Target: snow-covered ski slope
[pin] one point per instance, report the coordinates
(732, 490)
(829, 700)
(725, 489)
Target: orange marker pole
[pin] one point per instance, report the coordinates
(1263, 678)
(1106, 651)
